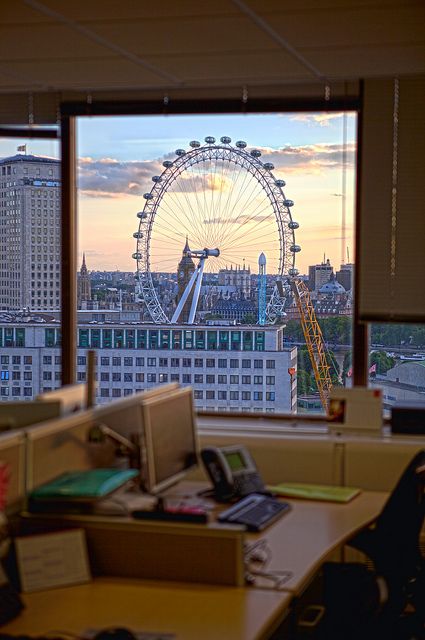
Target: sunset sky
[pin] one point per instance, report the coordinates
(119, 156)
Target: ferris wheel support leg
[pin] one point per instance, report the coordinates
(194, 306)
(184, 297)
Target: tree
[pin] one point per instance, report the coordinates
(382, 361)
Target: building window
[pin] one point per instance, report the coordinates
(128, 362)
(104, 376)
(258, 379)
(210, 362)
(199, 378)
(47, 375)
(210, 395)
(258, 364)
(234, 395)
(270, 380)
(16, 359)
(186, 378)
(222, 379)
(81, 360)
(27, 359)
(246, 364)
(258, 395)
(246, 395)
(47, 359)
(198, 395)
(270, 364)
(16, 391)
(199, 362)
(116, 393)
(174, 377)
(151, 377)
(175, 362)
(104, 393)
(234, 364)
(270, 395)
(222, 395)
(116, 377)
(140, 362)
(128, 377)
(234, 379)
(116, 362)
(187, 362)
(140, 377)
(16, 375)
(222, 363)
(163, 362)
(151, 362)
(210, 379)
(81, 376)
(104, 362)
(27, 375)
(246, 379)
(163, 377)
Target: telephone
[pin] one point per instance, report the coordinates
(232, 471)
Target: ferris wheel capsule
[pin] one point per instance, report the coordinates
(142, 215)
(225, 140)
(293, 224)
(295, 248)
(210, 140)
(137, 256)
(280, 183)
(156, 178)
(269, 166)
(194, 144)
(138, 235)
(255, 153)
(293, 272)
(167, 164)
(147, 196)
(288, 203)
(180, 152)
(241, 144)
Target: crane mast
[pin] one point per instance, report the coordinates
(313, 338)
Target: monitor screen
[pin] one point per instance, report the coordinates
(170, 443)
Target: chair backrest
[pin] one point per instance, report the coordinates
(399, 525)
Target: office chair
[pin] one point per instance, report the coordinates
(388, 603)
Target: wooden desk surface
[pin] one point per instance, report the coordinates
(301, 540)
(191, 612)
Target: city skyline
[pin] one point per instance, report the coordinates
(117, 162)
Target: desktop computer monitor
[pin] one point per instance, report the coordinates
(72, 397)
(14, 415)
(170, 440)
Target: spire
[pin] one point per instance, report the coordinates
(84, 260)
(186, 246)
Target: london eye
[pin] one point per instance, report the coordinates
(227, 204)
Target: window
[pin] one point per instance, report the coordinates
(128, 362)
(27, 375)
(116, 393)
(16, 391)
(222, 379)
(270, 395)
(270, 364)
(47, 359)
(163, 362)
(47, 375)
(258, 379)
(187, 362)
(81, 360)
(234, 395)
(234, 379)
(128, 377)
(198, 395)
(104, 393)
(163, 377)
(81, 376)
(198, 378)
(16, 359)
(222, 395)
(140, 362)
(104, 361)
(151, 362)
(28, 360)
(116, 377)
(140, 377)
(258, 395)
(210, 362)
(116, 362)
(234, 364)
(258, 364)
(222, 363)
(186, 378)
(151, 377)
(174, 377)
(210, 395)
(104, 376)
(210, 379)
(16, 375)
(246, 379)
(246, 364)
(270, 380)
(175, 362)
(199, 362)
(246, 395)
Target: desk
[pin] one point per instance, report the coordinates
(299, 543)
(191, 612)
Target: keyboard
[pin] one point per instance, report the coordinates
(255, 511)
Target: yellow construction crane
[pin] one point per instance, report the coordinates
(314, 339)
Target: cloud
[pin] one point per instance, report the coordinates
(111, 178)
(322, 119)
(108, 177)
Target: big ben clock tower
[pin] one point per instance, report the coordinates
(185, 269)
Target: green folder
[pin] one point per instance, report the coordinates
(314, 491)
(84, 485)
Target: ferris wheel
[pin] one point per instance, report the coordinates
(224, 206)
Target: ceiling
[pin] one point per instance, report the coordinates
(110, 45)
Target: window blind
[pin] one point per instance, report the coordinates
(391, 254)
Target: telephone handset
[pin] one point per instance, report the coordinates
(232, 471)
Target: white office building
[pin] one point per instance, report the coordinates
(231, 368)
(30, 221)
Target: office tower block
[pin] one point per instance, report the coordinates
(345, 276)
(30, 244)
(83, 284)
(319, 274)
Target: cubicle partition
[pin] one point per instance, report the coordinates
(12, 454)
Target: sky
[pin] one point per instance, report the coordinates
(119, 155)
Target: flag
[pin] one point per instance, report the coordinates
(291, 371)
(350, 372)
(22, 147)
(373, 368)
